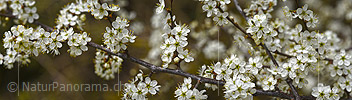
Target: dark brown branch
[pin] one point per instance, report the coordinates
(155, 68)
(273, 93)
(7, 15)
(293, 89)
(289, 56)
(309, 98)
(350, 48)
(282, 54)
(270, 55)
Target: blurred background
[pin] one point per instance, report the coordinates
(65, 69)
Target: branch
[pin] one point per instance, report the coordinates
(155, 68)
(283, 54)
(270, 55)
(293, 89)
(7, 15)
(350, 48)
(273, 93)
(238, 7)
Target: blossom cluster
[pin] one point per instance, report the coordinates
(341, 65)
(215, 8)
(106, 65)
(184, 91)
(239, 87)
(341, 69)
(308, 48)
(155, 39)
(21, 42)
(261, 30)
(71, 15)
(116, 38)
(24, 10)
(140, 87)
(235, 72)
(322, 92)
(175, 41)
(76, 41)
(304, 14)
(259, 7)
(295, 70)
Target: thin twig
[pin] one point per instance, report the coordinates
(283, 54)
(273, 93)
(150, 74)
(154, 67)
(350, 48)
(238, 7)
(293, 89)
(195, 86)
(250, 37)
(269, 54)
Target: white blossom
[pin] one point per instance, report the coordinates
(343, 58)
(210, 8)
(117, 38)
(31, 14)
(220, 19)
(100, 10)
(325, 92)
(140, 87)
(254, 65)
(161, 6)
(269, 84)
(184, 91)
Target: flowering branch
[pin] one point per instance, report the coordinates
(250, 37)
(155, 68)
(150, 66)
(288, 81)
(279, 71)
